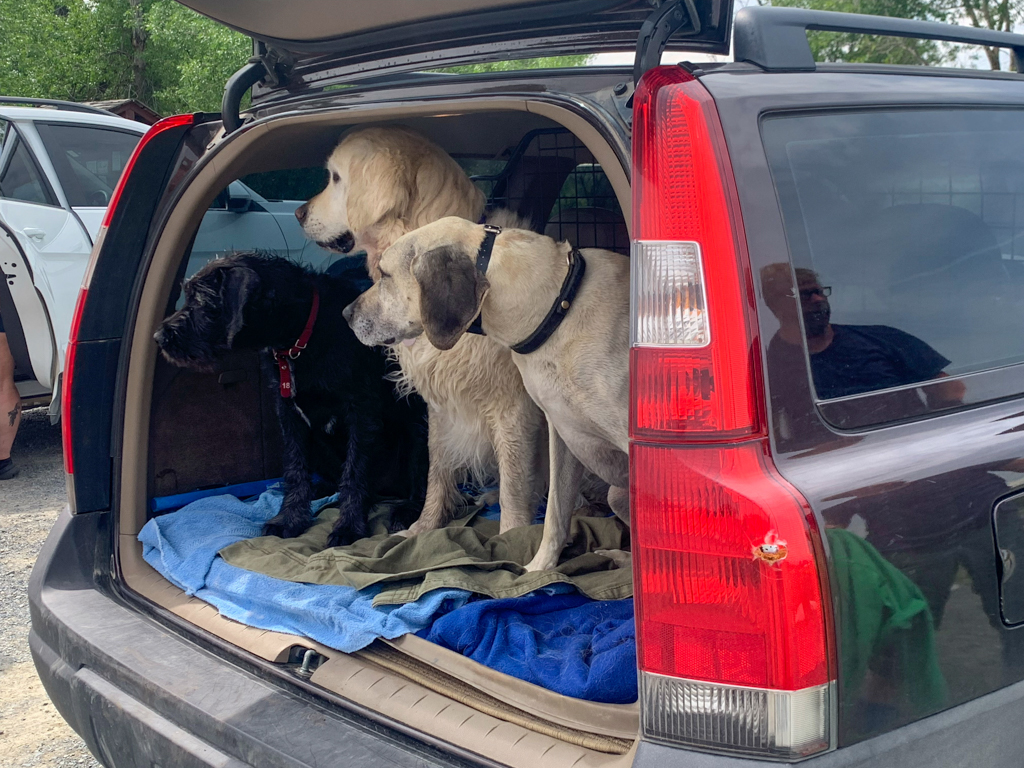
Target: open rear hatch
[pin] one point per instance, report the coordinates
(308, 43)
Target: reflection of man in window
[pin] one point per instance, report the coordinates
(849, 359)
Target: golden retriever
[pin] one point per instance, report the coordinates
(384, 182)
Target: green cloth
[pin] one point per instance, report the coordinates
(468, 554)
(884, 620)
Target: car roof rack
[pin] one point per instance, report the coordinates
(64, 106)
(775, 39)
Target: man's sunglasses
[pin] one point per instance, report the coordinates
(824, 291)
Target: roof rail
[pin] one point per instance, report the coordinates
(775, 39)
(65, 106)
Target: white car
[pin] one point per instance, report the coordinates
(58, 168)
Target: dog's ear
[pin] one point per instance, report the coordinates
(452, 291)
(236, 288)
(379, 192)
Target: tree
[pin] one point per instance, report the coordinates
(844, 47)
(999, 15)
(156, 51)
(545, 62)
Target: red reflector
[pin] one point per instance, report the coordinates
(65, 391)
(728, 589)
(174, 121)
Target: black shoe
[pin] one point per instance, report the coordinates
(7, 469)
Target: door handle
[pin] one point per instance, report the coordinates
(35, 234)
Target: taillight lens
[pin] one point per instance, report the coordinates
(69, 366)
(733, 624)
(67, 422)
(691, 283)
(174, 121)
(729, 581)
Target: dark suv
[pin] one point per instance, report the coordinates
(826, 405)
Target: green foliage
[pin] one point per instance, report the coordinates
(156, 51)
(834, 46)
(191, 57)
(547, 62)
(65, 49)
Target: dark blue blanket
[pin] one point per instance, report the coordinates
(566, 643)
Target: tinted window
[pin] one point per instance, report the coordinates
(22, 180)
(907, 233)
(88, 161)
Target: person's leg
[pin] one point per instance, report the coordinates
(10, 407)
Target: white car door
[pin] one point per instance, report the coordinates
(87, 161)
(25, 319)
(55, 244)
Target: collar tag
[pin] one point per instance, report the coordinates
(284, 357)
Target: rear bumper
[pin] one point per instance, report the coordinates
(141, 695)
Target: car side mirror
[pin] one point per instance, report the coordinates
(239, 199)
(239, 204)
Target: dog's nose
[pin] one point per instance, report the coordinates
(348, 312)
(302, 212)
(160, 337)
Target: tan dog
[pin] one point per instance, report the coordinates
(383, 183)
(578, 376)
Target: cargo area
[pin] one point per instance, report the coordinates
(191, 435)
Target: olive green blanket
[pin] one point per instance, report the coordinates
(468, 554)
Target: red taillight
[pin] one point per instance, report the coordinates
(733, 624)
(174, 121)
(697, 343)
(729, 584)
(69, 366)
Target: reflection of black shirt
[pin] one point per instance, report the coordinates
(865, 358)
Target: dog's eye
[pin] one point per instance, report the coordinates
(383, 274)
(335, 177)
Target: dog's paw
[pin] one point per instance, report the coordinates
(422, 526)
(286, 527)
(620, 557)
(542, 561)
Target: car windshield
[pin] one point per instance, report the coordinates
(88, 160)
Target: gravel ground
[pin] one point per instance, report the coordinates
(32, 733)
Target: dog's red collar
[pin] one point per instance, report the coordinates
(284, 357)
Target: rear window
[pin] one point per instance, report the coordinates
(88, 160)
(905, 231)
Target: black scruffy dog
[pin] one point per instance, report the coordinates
(345, 420)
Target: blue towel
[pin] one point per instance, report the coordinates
(183, 547)
(566, 643)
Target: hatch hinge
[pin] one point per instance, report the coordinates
(267, 66)
(670, 18)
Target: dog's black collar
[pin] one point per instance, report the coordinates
(558, 311)
(483, 259)
(570, 286)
